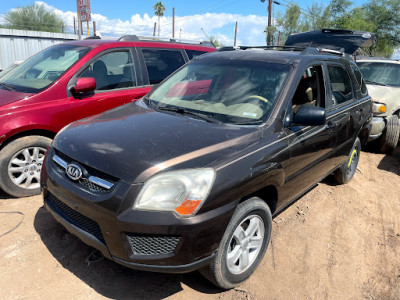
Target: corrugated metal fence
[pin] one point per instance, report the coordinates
(22, 44)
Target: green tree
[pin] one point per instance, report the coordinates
(159, 9)
(385, 15)
(215, 41)
(289, 23)
(34, 17)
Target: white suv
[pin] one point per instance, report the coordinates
(382, 77)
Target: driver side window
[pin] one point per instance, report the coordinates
(114, 70)
(310, 90)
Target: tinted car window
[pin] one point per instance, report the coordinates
(360, 80)
(113, 70)
(194, 53)
(340, 84)
(161, 63)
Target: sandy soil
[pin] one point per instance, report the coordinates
(336, 242)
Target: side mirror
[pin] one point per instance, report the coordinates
(84, 85)
(309, 115)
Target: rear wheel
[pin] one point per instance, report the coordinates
(21, 162)
(390, 136)
(243, 245)
(346, 172)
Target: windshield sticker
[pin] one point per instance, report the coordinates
(249, 114)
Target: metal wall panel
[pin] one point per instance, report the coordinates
(17, 45)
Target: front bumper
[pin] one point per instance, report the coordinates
(378, 126)
(108, 223)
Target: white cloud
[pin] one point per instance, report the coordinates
(221, 25)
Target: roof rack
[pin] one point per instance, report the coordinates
(130, 38)
(304, 50)
(283, 48)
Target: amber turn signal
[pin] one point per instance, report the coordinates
(187, 207)
(378, 108)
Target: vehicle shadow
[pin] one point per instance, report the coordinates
(391, 162)
(107, 277)
(3, 195)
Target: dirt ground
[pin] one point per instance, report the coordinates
(336, 242)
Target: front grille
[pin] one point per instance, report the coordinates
(152, 245)
(92, 172)
(90, 185)
(74, 217)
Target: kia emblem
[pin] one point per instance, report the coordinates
(74, 171)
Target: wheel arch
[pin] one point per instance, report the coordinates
(42, 132)
(269, 194)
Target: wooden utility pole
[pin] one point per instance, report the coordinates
(173, 22)
(279, 37)
(79, 20)
(74, 26)
(269, 23)
(154, 30)
(234, 43)
(94, 27)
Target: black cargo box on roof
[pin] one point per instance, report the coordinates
(335, 39)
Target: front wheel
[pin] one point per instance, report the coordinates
(346, 172)
(21, 162)
(243, 245)
(390, 136)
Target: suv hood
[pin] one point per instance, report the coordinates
(7, 97)
(334, 39)
(131, 139)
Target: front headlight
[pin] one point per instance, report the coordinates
(182, 192)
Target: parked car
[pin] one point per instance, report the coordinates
(68, 82)
(383, 81)
(190, 176)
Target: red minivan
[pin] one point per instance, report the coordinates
(71, 81)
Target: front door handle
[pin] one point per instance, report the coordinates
(330, 126)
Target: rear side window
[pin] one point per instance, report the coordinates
(340, 85)
(360, 80)
(161, 63)
(194, 53)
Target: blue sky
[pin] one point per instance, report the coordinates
(216, 17)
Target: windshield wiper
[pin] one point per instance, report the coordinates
(374, 82)
(8, 87)
(183, 111)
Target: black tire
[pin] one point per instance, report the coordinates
(9, 153)
(346, 172)
(218, 271)
(390, 136)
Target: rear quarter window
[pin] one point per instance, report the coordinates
(194, 53)
(360, 80)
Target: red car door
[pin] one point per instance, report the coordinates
(116, 83)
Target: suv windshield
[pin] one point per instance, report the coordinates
(380, 72)
(239, 92)
(41, 70)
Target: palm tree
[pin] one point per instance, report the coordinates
(159, 9)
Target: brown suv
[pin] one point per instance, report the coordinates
(190, 176)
